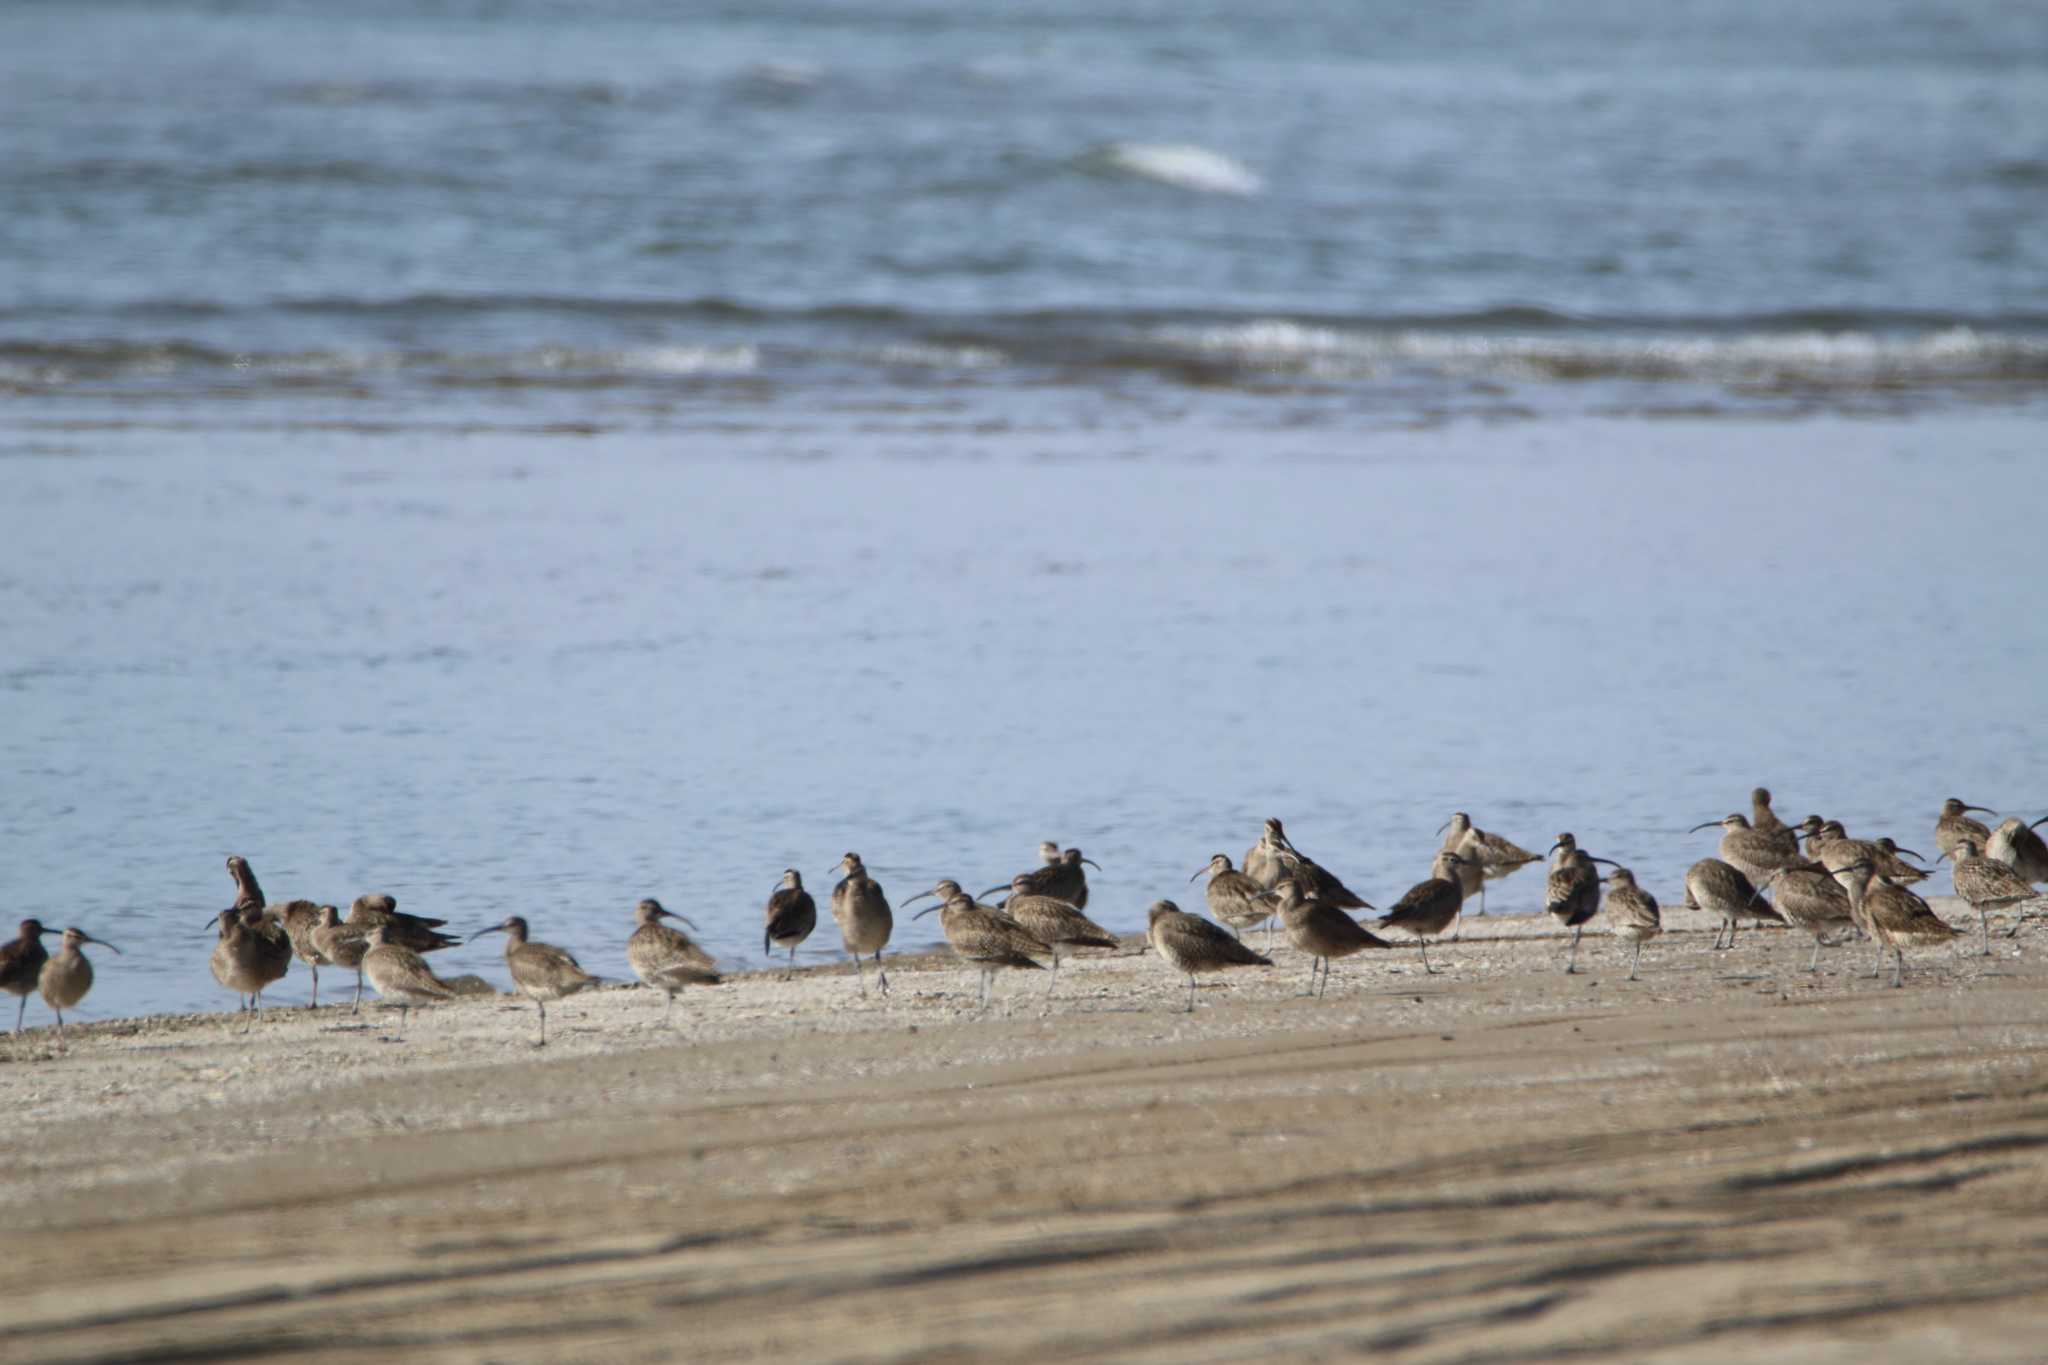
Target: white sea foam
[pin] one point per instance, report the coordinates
(1183, 165)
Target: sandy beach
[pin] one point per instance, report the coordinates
(1728, 1157)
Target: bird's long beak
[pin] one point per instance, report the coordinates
(2038, 823)
(927, 910)
(1199, 871)
(991, 891)
(665, 913)
(84, 937)
(1609, 861)
(1555, 847)
(920, 896)
(1921, 856)
(494, 929)
(1092, 863)
(1697, 828)
(1985, 809)
(1444, 826)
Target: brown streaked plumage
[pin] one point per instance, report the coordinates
(1632, 914)
(1723, 889)
(342, 945)
(1190, 944)
(298, 918)
(665, 958)
(67, 976)
(1571, 894)
(788, 918)
(402, 930)
(1235, 898)
(1811, 899)
(1954, 823)
(983, 936)
(1895, 917)
(540, 971)
(252, 952)
(1054, 922)
(1322, 931)
(399, 973)
(1985, 883)
(1061, 881)
(1495, 856)
(21, 964)
(1890, 864)
(1752, 852)
(1761, 816)
(865, 921)
(1316, 883)
(1262, 861)
(1428, 907)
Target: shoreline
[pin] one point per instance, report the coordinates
(1492, 1163)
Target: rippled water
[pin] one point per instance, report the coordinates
(524, 458)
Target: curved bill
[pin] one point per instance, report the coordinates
(1092, 863)
(1444, 826)
(920, 896)
(1199, 871)
(1609, 861)
(927, 910)
(1921, 856)
(990, 892)
(1711, 824)
(494, 929)
(84, 937)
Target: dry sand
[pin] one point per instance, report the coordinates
(1728, 1158)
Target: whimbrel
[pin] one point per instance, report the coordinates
(1262, 862)
(298, 918)
(21, 963)
(1571, 895)
(1497, 856)
(1322, 931)
(1235, 898)
(1954, 824)
(1890, 864)
(1985, 883)
(417, 932)
(342, 945)
(862, 913)
(252, 952)
(984, 937)
(2020, 848)
(1062, 881)
(397, 972)
(1428, 907)
(1054, 922)
(1752, 852)
(1191, 944)
(1896, 917)
(667, 959)
(1315, 882)
(540, 971)
(66, 977)
(1632, 914)
(790, 916)
(1722, 889)
(1761, 816)
(1811, 899)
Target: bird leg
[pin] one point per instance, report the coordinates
(23, 1009)
(881, 977)
(1423, 943)
(1055, 974)
(314, 967)
(1571, 963)
(1635, 961)
(1322, 989)
(1191, 993)
(1898, 966)
(669, 1008)
(790, 975)
(357, 1007)
(1984, 922)
(542, 1006)
(1814, 965)
(861, 974)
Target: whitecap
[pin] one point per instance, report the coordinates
(1183, 165)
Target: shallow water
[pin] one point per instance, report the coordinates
(624, 218)
(547, 676)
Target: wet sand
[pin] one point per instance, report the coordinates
(1728, 1158)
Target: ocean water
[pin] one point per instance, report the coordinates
(526, 457)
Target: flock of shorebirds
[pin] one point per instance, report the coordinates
(1810, 876)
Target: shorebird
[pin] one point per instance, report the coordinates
(1062, 881)
(341, 945)
(399, 973)
(1322, 931)
(862, 913)
(298, 918)
(1316, 883)
(1761, 816)
(1895, 916)
(251, 953)
(1571, 895)
(1836, 850)
(21, 963)
(1054, 922)
(1235, 898)
(667, 959)
(1632, 914)
(540, 971)
(982, 936)
(790, 916)
(1496, 856)
(1890, 864)
(1754, 853)
(1262, 862)
(1811, 899)
(417, 932)
(2018, 847)
(1953, 824)
(66, 977)
(1723, 889)
(1428, 907)
(1985, 883)
(1191, 944)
